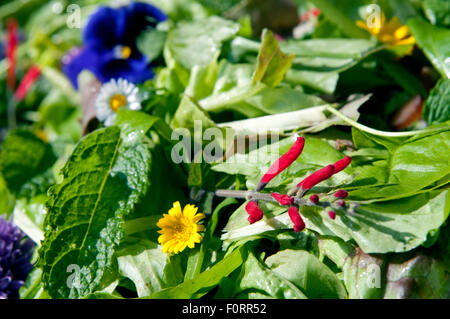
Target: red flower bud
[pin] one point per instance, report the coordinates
(332, 214)
(255, 213)
(314, 198)
(316, 177)
(27, 81)
(12, 42)
(283, 199)
(342, 164)
(341, 194)
(299, 224)
(284, 161)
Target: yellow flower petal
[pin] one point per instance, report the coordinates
(179, 228)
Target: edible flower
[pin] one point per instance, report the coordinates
(15, 255)
(113, 96)
(180, 228)
(392, 33)
(110, 50)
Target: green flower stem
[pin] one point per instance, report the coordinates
(141, 224)
(377, 132)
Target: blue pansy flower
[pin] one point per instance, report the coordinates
(110, 50)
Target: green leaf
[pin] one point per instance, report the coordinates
(151, 43)
(437, 106)
(421, 277)
(412, 166)
(339, 12)
(437, 11)
(144, 263)
(272, 64)
(103, 179)
(23, 157)
(205, 281)
(434, 42)
(199, 42)
(307, 272)
(258, 278)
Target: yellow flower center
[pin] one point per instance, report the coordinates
(122, 52)
(117, 101)
(126, 52)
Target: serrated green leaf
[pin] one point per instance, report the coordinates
(103, 179)
(437, 106)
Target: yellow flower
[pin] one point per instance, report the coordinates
(179, 229)
(392, 33)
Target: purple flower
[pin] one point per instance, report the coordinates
(15, 255)
(110, 50)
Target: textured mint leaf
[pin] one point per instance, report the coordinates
(23, 157)
(102, 181)
(437, 105)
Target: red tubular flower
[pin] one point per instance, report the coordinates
(332, 214)
(299, 224)
(342, 164)
(12, 42)
(314, 198)
(316, 177)
(283, 199)
(282, 163)
(30, 77)
(341, 194)
(255, 213)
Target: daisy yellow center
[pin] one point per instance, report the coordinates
(179, 228)
(117, 101)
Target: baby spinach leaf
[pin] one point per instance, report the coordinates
(256, 277)
(199, 42)
(145, 266)
(103, 179)
(306, 272)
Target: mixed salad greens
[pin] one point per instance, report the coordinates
(162, 148)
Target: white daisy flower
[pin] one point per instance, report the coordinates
(114, 95)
